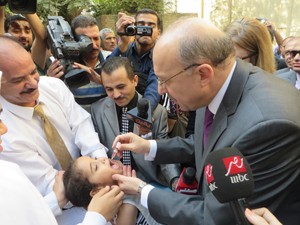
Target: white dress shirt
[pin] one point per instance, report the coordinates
(297, 85)
(25, 142)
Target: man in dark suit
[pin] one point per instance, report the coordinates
(292, 50)
(253, 111)
(120, 82)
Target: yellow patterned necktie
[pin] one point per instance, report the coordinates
(54, 139)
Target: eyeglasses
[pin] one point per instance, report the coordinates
(162, 82)
(292, 53)
(248, 56)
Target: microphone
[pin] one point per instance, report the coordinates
(141, 114)
(187, 183)
(229, 178)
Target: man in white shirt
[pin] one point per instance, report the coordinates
(25, 142)
(17, 193)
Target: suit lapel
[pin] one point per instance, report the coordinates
(111, 117)
(226, 109)
(292, 77)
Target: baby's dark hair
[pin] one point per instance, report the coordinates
(77, 187)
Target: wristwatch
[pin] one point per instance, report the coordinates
(140, 187)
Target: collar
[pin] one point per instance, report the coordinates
(20, 111)
(131, 104)
(149, 53)
(215, 103)
(97, 65)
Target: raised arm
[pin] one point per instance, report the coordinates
(39, 46)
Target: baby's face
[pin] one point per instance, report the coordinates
(99, 171)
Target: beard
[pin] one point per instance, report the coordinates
(144, 41)
(28, 48)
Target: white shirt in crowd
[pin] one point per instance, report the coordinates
(25, 143)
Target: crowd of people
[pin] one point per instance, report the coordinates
(73, 154)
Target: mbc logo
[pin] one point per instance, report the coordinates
(239, 178)
(234, 165)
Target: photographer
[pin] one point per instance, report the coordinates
(85, 95)
(140, 51)
(29, 31)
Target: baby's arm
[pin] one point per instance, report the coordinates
(127, 214)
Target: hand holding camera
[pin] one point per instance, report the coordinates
(125, 26)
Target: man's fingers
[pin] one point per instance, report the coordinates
(133, 173)
(102, 191)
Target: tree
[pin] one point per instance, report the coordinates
(71, 8)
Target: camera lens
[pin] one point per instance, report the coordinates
(130, 30)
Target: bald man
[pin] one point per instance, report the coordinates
(252, 111)
(26, 143)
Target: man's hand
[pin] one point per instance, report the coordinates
(123, 21)
(93, 75)
(59, 189)
(107, 202)
(130, 185)
(131, 142)
(261, 216)
(55, 69)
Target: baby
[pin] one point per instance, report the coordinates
(86, 176)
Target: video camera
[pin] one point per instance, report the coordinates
(20, 6)
(132, 30)
(67, 48)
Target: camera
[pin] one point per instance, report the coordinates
(20, 6)
(132, 30)
(67, 48)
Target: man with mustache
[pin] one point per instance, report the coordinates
(93, 91)
(30, 32)
(27, 143)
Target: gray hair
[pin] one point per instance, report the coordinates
(105, 31)
(213, 49)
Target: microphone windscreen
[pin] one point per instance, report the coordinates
(228, 175)
(142, 108)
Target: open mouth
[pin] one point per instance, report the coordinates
(116, 165)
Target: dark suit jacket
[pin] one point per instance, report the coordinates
(105, 119)
(259, 115)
